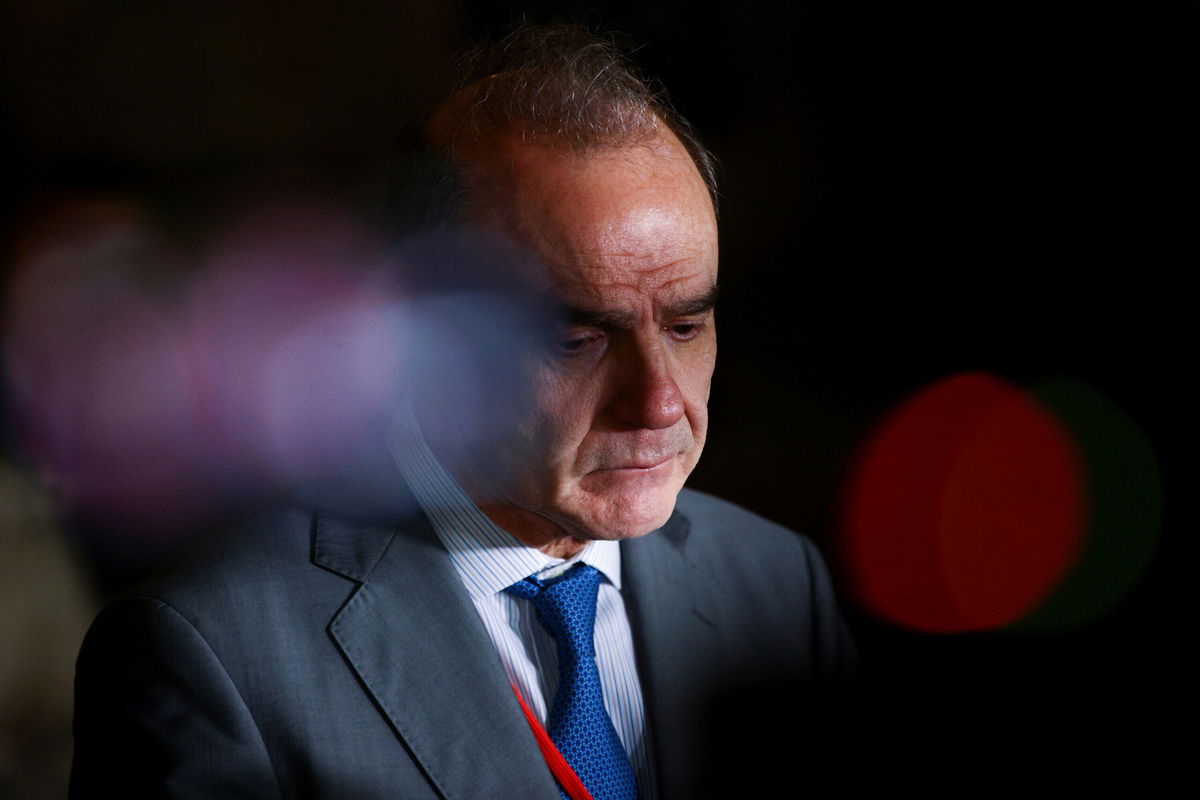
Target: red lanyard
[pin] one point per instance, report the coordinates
(559, 767)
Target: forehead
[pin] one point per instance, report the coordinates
(628, 223)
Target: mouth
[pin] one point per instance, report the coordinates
(639, 465)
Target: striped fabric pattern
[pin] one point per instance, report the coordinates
(489, 559)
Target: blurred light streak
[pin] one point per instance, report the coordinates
(295, 346)
(966, 509)
(478, 314)
(95, 364)
(154, 391)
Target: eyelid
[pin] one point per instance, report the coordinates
(696, 318)
(584, 332)
(583, 337)
(696, 325)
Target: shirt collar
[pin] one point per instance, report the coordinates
(486, 557)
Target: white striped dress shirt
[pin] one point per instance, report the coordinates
(488, 559)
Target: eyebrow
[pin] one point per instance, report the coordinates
(623, 319)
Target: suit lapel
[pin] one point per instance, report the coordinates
(674, 628)
(416, 642)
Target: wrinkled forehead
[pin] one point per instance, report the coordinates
(634, 218)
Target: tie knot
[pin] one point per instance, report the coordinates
(566, 606)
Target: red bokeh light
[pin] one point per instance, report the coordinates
(966, 509)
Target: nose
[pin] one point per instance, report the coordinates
(647, 395)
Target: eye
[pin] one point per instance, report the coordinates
(685, 331)
(575, 344)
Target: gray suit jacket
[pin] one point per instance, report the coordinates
(304, 656)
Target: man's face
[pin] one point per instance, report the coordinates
(626, 242)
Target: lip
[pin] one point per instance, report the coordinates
(638, 466)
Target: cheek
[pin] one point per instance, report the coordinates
(696, 380)
(560, 418)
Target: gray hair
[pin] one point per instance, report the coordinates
(561, 83)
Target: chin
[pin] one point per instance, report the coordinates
(627, 517)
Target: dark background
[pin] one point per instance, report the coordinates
(909, 191)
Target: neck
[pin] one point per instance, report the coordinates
(533, 530)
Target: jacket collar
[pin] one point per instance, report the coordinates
(674, 628)
(416, 643)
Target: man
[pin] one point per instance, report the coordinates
(313, 655)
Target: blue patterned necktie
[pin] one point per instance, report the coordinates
(578, 724)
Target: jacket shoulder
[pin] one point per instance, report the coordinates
(765, 580)
(257, 583)
(736, 532)
(267, 551)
